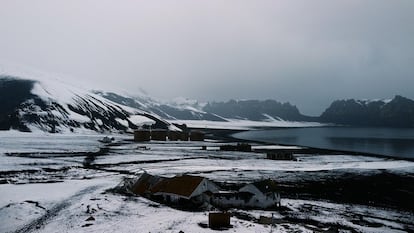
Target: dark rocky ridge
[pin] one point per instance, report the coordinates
(399, 112)
(13, 95)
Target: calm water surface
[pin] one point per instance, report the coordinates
(385, 141)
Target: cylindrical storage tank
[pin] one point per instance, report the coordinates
(142, 135)
(196, 136)
(174, 135)
(184, 136)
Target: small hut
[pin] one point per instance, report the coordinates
(142, 135)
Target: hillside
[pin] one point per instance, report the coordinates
(398, 112)
(53, 106)
(175, 110)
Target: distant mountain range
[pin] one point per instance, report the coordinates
(398, 112)
(180, 109)
(53, 106)
(256, 110)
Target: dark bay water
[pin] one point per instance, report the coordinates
(385, 141)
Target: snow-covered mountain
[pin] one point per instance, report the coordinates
(397, 112)
(177, 109)
(256, 110)
(186, 109)
(55, 106)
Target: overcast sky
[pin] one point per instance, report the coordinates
(306, 52)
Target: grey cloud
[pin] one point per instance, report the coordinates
(305, 52)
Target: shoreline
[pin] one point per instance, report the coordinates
(368, 187)
(226, 135)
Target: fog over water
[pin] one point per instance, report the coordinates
(306, 52)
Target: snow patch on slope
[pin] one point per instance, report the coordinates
(57, 106)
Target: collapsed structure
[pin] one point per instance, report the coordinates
(189, 191)
(258, 195)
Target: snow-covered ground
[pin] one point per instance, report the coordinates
(235, 124)
(45, 186)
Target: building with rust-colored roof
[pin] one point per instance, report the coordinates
(186, 187)
(144, 184)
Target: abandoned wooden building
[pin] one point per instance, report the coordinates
(144, 184)
(185, 190)
(230, 199)
(189, 191)
(258, 195)
(265, 194)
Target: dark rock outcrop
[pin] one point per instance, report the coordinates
(399, 112)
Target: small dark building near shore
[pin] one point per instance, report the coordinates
(142, 135)
(196, 136)
(280, 155)
(245, 147)
(159, 135)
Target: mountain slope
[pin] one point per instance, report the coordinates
(53, 106)
(398, 112)
(256, 110)
(182, 110)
